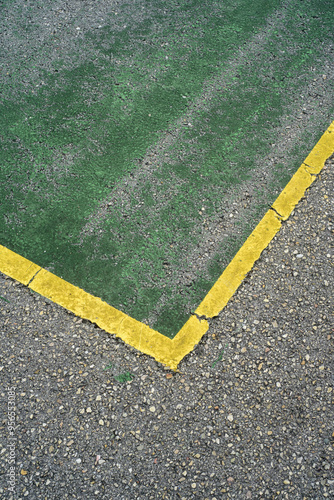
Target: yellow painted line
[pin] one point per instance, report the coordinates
(17, 267)
(241, 264)
(137, 334)
(304, 176)
(108, 318)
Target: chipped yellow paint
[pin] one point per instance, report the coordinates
(17, 267)
(321, 151)
(186, 339)
(85, 305)
(241, 264)
(137, 334)
(293, 192)
(303, 178)
(133, 332)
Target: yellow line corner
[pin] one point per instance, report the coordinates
(137, 334)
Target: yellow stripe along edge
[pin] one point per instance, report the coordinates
(137, 334)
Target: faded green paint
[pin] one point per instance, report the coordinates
(194, 94)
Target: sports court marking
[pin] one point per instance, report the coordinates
(171, 351)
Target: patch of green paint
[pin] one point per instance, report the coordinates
(121, 377)
(110, 150)
(108, 367)
(124, 377)
(220, 357)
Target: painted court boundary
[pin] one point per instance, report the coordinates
(171, 351)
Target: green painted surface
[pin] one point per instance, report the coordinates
(139, 151)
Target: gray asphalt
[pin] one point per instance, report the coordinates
(220, 145)
(248, 415)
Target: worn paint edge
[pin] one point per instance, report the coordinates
(85, 305)
(244, 260)
(171, 351)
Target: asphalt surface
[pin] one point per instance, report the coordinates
(141, 143)
(248, 415)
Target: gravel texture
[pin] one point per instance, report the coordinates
(141, 132)
(248, 415)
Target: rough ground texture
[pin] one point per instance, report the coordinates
(141, 141)
(248, 415)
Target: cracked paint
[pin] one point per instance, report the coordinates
(165, 350)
